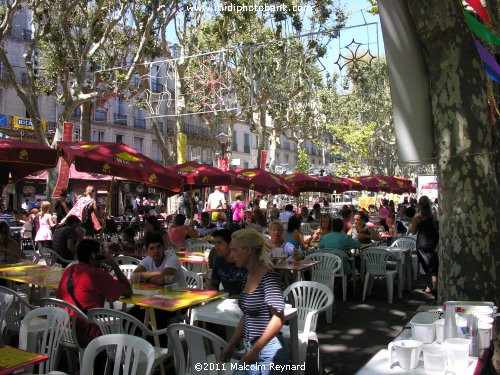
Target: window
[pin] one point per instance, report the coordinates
(138, 144)
(246, 165)
(246, 143)
(234, 146)
(97, 136)
(155, 151)
(139, 121)
(119, 138)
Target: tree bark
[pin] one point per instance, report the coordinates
(469, 192)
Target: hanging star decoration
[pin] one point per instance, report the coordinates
(210, 81)
(355, 59)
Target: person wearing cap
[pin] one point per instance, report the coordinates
(87, 286)
(62, 206)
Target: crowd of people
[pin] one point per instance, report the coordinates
(240, 262)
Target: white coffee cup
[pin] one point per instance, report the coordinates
(484, 332)
(407, 351)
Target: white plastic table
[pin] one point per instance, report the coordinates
(227, 313)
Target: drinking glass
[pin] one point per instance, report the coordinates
(434, 359)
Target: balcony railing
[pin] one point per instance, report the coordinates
(120, 119)
(234, 147)
(139, 123)
(246, 149)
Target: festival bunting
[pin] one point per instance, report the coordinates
(479, 9)
(490, 65)
(481, 30)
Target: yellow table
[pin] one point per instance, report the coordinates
(36, 274)
(170, 299)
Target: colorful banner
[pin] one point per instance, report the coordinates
(26, 124)
(223, 164)
(181, 148)
(479, 9)
(263, 159)
(480, 30)
(490, 65)
(63, 177)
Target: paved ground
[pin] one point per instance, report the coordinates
(360, 329)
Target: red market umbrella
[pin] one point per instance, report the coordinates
(303, 182)
(339, 184)
(19, 159)
(260, 180)
(197, 176)
(119, 160)
(385, 183)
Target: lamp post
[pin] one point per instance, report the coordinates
(222, 138)
(223, 164)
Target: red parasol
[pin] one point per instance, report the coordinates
(339, 184)
(260, 180)
(303, 182)
(198, 176)
(20, 158)
(120, 160)
(384, 183)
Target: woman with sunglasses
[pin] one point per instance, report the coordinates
(10, 252)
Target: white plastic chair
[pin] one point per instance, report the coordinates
(15, 313)
(411, 244)
(51, 257)
(114, 321)
(127, 269)
(48, 336)
(305, 228)
(69, 339)
(132, 355)
(193, 280)
(124, 259)
(325, 272)
(5, 302)
(341, 272)
(375, 260)
(197, 352)
(32, 256)
(199, 247)
(310, 298)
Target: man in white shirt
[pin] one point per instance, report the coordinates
(287, 214)
(25, 206)
(216, 200)
(160, 266)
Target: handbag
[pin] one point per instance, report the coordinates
(95, 221)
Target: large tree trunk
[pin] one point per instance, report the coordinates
(469, 191)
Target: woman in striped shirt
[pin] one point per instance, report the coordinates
(263, 305)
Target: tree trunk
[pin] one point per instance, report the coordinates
(85, 121)
(469, 192)
(272, 149)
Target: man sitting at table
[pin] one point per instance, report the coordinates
(340, 241)
(205, 227)
(224, 270)
(87, 286)
(159, 263)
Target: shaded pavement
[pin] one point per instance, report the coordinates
(360, 329)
